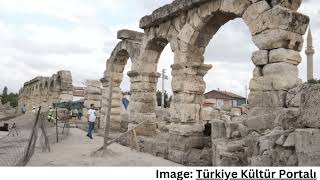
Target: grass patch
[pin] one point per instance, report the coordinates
(314, 81)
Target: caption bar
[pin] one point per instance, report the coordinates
(243, 174)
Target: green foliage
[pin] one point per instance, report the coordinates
(314, 81)
(167, 100)
(5, 91)
(159, 95)
(12, 98)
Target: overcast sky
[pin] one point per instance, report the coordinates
(40, 37)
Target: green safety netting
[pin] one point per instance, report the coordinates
(70, 105)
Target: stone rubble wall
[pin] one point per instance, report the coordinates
(44, 91)
(292, 140)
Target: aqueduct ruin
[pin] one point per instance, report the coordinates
(272, 132)
(44, 91)
(188, 26)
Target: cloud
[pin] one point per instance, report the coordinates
(42, 37)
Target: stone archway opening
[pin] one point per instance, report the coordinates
(145, 77)
(58, 82)
(118, 69)
(52, 84)
(164, 87)
(164, 63)
(227, 84)
(46, 85)
(229, 51)
(144, 80)
(125, 95)
(125, 83)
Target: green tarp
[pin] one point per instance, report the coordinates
(69, 105)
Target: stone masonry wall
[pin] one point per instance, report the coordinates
(292, 140)
(93, 94)
(44, 91)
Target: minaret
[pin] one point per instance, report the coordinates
(309, 53)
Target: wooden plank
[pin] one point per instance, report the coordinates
(57, 132)
(44, 132)
(107, 128)
(120, 136)
(131, 141)
(135, 139)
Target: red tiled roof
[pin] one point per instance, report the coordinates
(232, 94)
(222, 95)
(79, 91)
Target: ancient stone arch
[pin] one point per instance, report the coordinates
(144, 79)
(128, 47)
(188, 26)
(43, 91)
(51, 83)
(58, 81)
(46, 85)
(28, 91)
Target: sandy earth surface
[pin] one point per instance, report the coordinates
(76, 150)
(3, 134)
(12, 147)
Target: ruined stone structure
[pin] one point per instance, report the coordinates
(93, 92)
(188, 26)
(128, 47)
(309, 53)
(279, 127)
(44, 91)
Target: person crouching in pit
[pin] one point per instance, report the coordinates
(92, 115)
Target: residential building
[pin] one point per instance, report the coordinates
(219, 99)
(78, 93)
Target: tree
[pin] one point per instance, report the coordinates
(5, 91)
(159, 98)
(167, 102)
(11, 98)
(314, 81)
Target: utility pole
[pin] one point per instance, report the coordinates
(164, 77)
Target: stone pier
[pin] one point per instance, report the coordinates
(93, 95)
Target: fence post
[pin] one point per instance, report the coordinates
(44, 132)
(107, 128)
(27, 153)
(57, 133)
